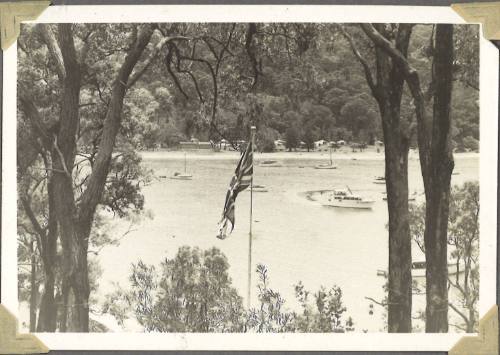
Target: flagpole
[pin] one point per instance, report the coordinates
(252, 139)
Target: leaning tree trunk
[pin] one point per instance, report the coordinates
(437, 181)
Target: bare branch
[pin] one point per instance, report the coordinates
(147, 63)
(362, 60)
(463, 316)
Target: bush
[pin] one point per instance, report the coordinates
(265, 140)
(470, 144)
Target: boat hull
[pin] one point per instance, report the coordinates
(182, 177)
(325, 167)
(452, 270)
(350, 204)
(419, 273)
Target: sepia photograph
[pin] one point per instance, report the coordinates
(248, 177)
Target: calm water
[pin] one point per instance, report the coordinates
(296, 238)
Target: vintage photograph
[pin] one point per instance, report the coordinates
(248, 177)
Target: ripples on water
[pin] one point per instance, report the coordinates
(298, 239)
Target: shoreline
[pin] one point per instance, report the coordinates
(346, 154)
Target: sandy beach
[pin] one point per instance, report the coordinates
(344, 153)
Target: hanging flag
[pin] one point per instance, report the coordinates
(240, 181)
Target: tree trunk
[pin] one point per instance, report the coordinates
(438, 186)
(34, 288)
(391, 82)
(399, 277)
(76, 224)
(387, 89)
(47, 317)
(75, 284)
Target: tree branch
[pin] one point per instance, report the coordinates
(154, 54)
(463, 316)
(413, 81)
(50, 40)
(362, 60)
(112, 122)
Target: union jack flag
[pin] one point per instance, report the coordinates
(240, 181)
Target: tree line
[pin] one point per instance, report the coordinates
(90, 96)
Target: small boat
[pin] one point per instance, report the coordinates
(380, 180)
(346, 199)
(270, 164)
(258, 188)
(411, 198)
(327, 166)
(184, 175)
(181, 176)
(418, 269)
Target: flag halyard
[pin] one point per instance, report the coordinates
(241, 180)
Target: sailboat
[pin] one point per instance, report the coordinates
(327, 166)
(182, 176)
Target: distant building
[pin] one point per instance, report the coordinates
(279, 145)
(195, 144)
(319, 143)
(341, 142)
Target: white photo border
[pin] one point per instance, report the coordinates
(257, 13)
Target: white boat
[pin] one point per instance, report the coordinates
(418, 269)
(257, 188)
(380, 180)
(184, 175)
(327, 166)
(411, 198)
(181, 176)
(270, 164)
(346, 199)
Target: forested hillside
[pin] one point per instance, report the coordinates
(300, 80)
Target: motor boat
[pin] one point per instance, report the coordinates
(344, 198)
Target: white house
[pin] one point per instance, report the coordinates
(319, 143)
(279, 145)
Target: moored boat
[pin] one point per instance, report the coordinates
(184, 175)
(258, 188)
(270, 164)
(418, 269)
(344, 198)
(327, 166)
(181, 176)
